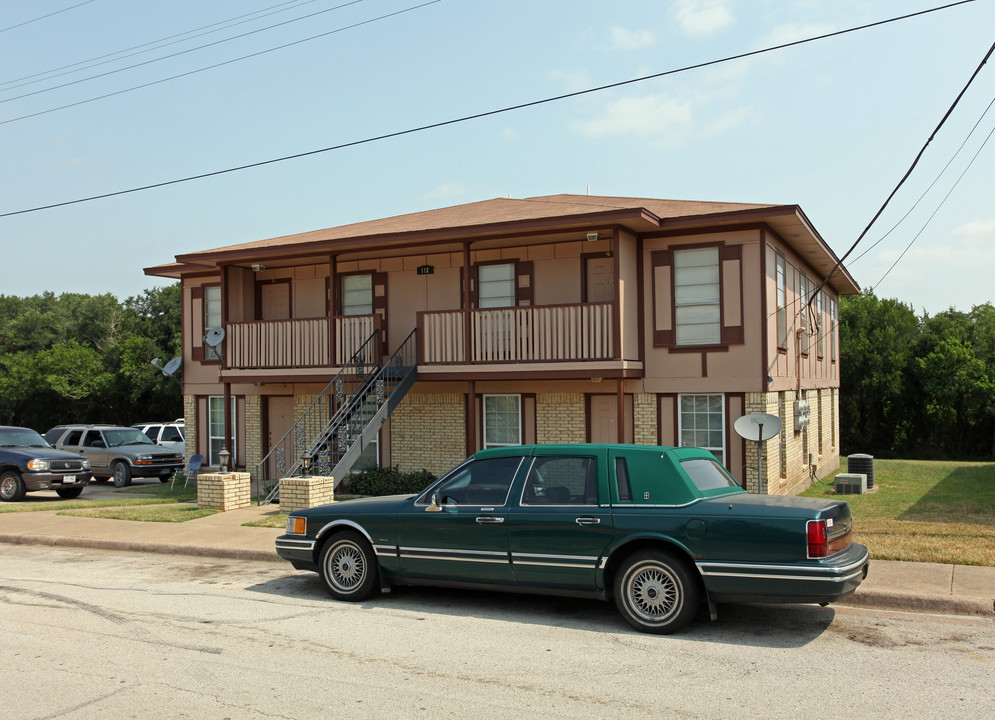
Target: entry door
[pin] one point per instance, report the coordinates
(274, 299)
(280, 418)
(600, 279)
(604, 419)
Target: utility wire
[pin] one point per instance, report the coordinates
(166, 41)
(908, 172)
(28, 22)
(190, 50)
(226, 62)
(488, 113)
(942, 203)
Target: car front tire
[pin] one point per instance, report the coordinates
(655, 592)
(11, 487)
(348, 567)
(121, 474)
(69, 493)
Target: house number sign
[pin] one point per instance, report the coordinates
(426, 269)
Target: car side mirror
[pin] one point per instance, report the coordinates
(434, 504)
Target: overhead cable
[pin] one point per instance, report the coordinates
(34, 20)
(476, 116)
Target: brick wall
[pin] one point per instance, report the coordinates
(560, 418)
(298, 493)
(253, 433)
(190, 428)
(229, 491)
(428, 431)
(644, 418)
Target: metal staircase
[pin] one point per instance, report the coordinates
(343, 419)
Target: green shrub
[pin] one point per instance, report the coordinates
(388, 481)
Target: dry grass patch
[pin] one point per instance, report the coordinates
(146, 513)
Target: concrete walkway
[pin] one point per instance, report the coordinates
(926, 587)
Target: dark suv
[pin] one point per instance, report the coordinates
(117, 452)
(28, 463)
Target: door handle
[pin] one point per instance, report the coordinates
(588, 521)
(489, 520)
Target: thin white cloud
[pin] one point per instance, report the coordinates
(702, 17)
(651, 116)
(510, 135)
(623, 39)
(444, 191)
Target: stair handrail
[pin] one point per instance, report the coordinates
(355, 367)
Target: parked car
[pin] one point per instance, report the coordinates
(657, 530)
(168, 434)
(29, 463)
(117, 452)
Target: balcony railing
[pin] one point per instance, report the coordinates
(298, 343)
(549, 333)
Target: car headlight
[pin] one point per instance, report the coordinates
(145, 458)
(296, 526)
(38, 465)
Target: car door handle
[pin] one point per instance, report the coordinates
(588, 521)
(489, 520)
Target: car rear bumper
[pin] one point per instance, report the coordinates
(813, 581)
(54, 481)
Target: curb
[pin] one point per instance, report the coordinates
(937, 604)
(159, 548)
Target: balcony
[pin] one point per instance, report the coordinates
(296, 344)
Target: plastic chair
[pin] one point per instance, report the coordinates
(191, 472)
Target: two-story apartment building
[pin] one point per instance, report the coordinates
(566, 318)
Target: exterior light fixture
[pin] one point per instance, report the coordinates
(224, 457)
(592, 237)
(305, 465)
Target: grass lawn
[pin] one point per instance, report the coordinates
(926, 511)
(130, 496)
(146, 513)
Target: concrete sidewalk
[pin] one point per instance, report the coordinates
(924, 587)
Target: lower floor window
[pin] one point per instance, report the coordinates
(502, 420)
(216, 430)
(702, 423)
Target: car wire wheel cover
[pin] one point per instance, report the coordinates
(653, 592)
(345, 566)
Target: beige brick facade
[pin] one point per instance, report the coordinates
(190, 427)
(644, 419)
(253, 433)
(560, 418)
(299, 493)
(229, 491)
(428, 431)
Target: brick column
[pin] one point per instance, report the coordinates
(228, 491)
(298, 493)
(560, 418)
(644, 418)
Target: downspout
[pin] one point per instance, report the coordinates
(224, 364)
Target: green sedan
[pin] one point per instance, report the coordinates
(657, 530)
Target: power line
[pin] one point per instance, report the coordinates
(226, 62)
(237, 20)
(488, 113)
(188, 50)
(33, 20)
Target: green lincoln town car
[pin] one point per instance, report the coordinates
(659, 530)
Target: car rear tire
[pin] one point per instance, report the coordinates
(348, 567)
(69, 493)
(655, 592)
(121, 474)
(11, 486)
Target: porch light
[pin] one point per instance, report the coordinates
(224, 457)
(305, 465)
(592, 237)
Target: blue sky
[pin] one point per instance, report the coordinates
(831, 125)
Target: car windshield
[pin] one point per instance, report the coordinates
(21, 437)
(708, 474)
(126, 436)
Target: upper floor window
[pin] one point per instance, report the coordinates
(496, 285)
(696, 296)
(782, 305)
(357, 294)
(805, 310)
(212, 318)
(820, 341)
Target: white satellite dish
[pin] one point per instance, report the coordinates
(757, 426)
(214, 336)
(172, 366)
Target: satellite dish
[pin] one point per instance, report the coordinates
(757, 426)
(156, 362)
(214, 336)
(172, 366)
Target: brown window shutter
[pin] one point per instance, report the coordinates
(523, 283)
(662, 262)
(731, 279)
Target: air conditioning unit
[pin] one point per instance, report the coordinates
(851, 484)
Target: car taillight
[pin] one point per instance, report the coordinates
(818, 538)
